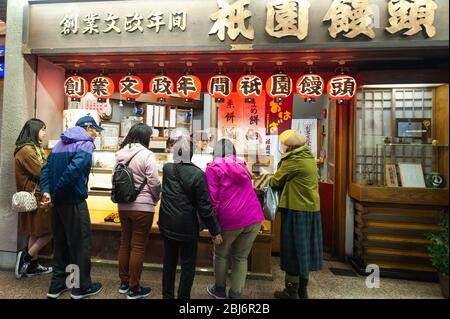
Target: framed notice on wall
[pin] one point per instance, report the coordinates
(110, 136)
(417, 128)
(391, 175)
(411, 175)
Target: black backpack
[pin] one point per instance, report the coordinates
(123, 189)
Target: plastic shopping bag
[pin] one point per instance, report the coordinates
(271, 202)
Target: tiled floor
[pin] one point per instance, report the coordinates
(323, 284)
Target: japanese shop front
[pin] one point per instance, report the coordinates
(291, 38)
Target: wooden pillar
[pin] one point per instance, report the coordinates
(341, 141)
(440, 120)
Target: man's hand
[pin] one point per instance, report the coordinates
(46, 200)
(217, 240)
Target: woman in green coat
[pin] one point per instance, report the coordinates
(301, 248)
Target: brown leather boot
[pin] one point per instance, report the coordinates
(291, 289)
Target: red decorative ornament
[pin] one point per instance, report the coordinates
(310, 86)
(279, 86)
(131, 87)
(161, 87)
(102, 87)
(249, 87)
(341, 87)
(220, 87)
(76, 87)
(189, 87)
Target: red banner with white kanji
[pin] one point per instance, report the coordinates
(241, 122)
(278, 115)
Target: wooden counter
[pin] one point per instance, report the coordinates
(390, 227)
(106, 242)
(399, 195)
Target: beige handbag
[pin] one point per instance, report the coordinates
(24, 201)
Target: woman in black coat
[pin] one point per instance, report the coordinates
(184, 199)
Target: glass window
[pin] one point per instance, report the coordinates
(376, 116)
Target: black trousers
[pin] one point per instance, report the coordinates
(72, 242)
(188, 256)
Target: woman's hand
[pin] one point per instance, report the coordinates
(217, 240)
(45, 200)
(319, 161)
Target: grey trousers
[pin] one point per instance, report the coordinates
(236, 246)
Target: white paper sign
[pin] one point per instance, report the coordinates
(70, 117)
(173, 117)
(162, 112)
(149, 115)
(155, 115)
(411, 175)
(273, 149)
(309, 128)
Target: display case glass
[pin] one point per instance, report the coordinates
(413, 165)
(103, 212)
(394, 143)
(99, 201)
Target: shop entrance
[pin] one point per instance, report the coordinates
(330, 121)
(52, 39)
(201, 114)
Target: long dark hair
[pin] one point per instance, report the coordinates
(30, 132)
(223, 147)
(139, 133)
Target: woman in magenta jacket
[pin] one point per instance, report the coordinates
(239, 214)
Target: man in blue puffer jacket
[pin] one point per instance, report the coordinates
(63, 183)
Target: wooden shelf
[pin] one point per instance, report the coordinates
(100, 170)
(105, 151)
(98, 223)
(399, 195)
(98, 220)
(416, 145)
(163, 127)
(99, 193)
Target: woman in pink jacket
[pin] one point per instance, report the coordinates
(136, 218)
(239, 214)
